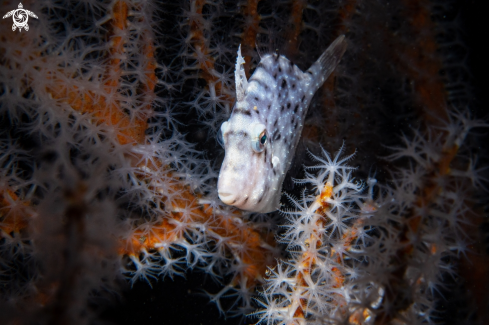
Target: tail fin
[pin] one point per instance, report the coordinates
(327, 62)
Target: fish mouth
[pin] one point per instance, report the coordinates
(227, 198)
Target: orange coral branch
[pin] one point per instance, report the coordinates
(249, 245)
(423, 67)
(309, 258)
(295, 27)
(105, 107)
(330, 126)
(207, 65)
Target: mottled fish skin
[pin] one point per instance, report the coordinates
(274, 103)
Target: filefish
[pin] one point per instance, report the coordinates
(265, 126)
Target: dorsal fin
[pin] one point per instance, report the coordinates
(240, 77)
(327, 62)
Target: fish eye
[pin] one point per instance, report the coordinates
(259, 137)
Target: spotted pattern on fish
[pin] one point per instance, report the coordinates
(262, 133)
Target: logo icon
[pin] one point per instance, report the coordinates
(20, 16)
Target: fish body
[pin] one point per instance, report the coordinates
(265, 125)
